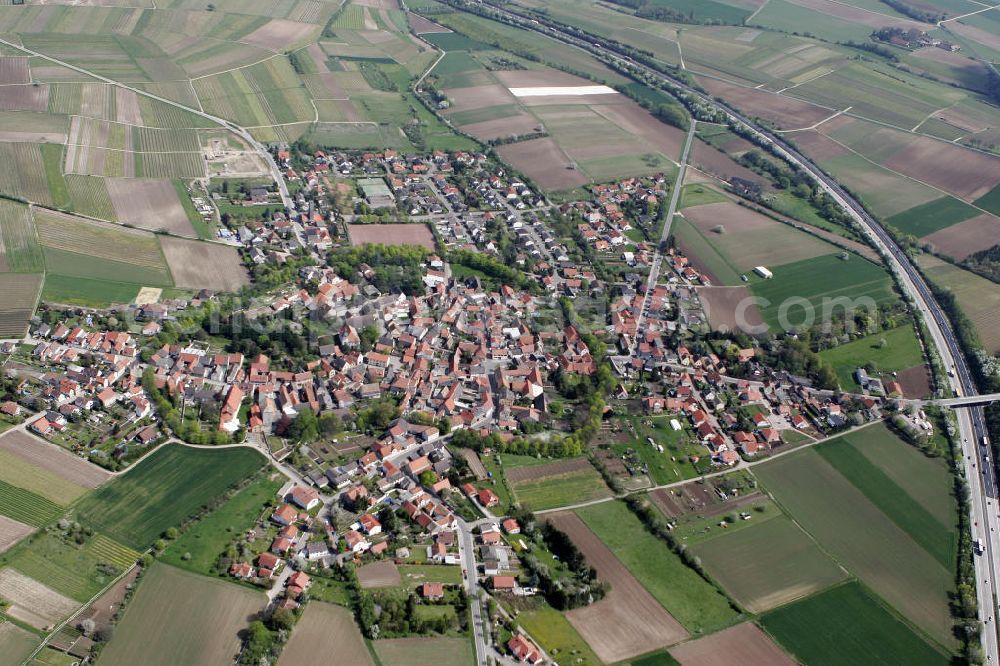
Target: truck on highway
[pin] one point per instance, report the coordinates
(980, 546)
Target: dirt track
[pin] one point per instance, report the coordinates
(628, 621)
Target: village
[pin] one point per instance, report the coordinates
(424, 363)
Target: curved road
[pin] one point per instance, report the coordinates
(241, 132)
(971, 421)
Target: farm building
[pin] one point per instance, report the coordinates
(763, 272)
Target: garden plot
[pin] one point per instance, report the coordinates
(379, 574)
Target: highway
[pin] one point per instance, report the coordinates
(971, 421)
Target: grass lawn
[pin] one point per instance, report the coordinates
(697, 194)
(767, 564)
(816, 280)
(207, 539)
(557, 636)
(902, 351)
(497, 483)
(418, 574)
(863, 539)
(555, 491)
(686, 595)
(425, 651)
(932, 216)
(846, 625)
(163, 490)
(671, 465)
(937, 538)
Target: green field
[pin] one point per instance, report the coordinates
(75, 265)
(767, 564)
(16, 643)
(697, 194)
(90, 196)
(886, 193)
(26, 507)
(418, 574)
(978, 297)
(76, 571)
(208, 538)
(17, 231)
(163, 490)
(424, 651)
(990, 201)
(846, 625)
(52, 156)
(818, 279)
(902, 351)
(18, 471)
(925, 479)
(706, 10)
(933, 216)
(937, 538)
(554, 491)
(89, 293)
(453, 41)
(557, 636)
(857, 534)
(686, 595)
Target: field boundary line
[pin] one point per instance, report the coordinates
(816, 124)
(903, 175)
(875, 121)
